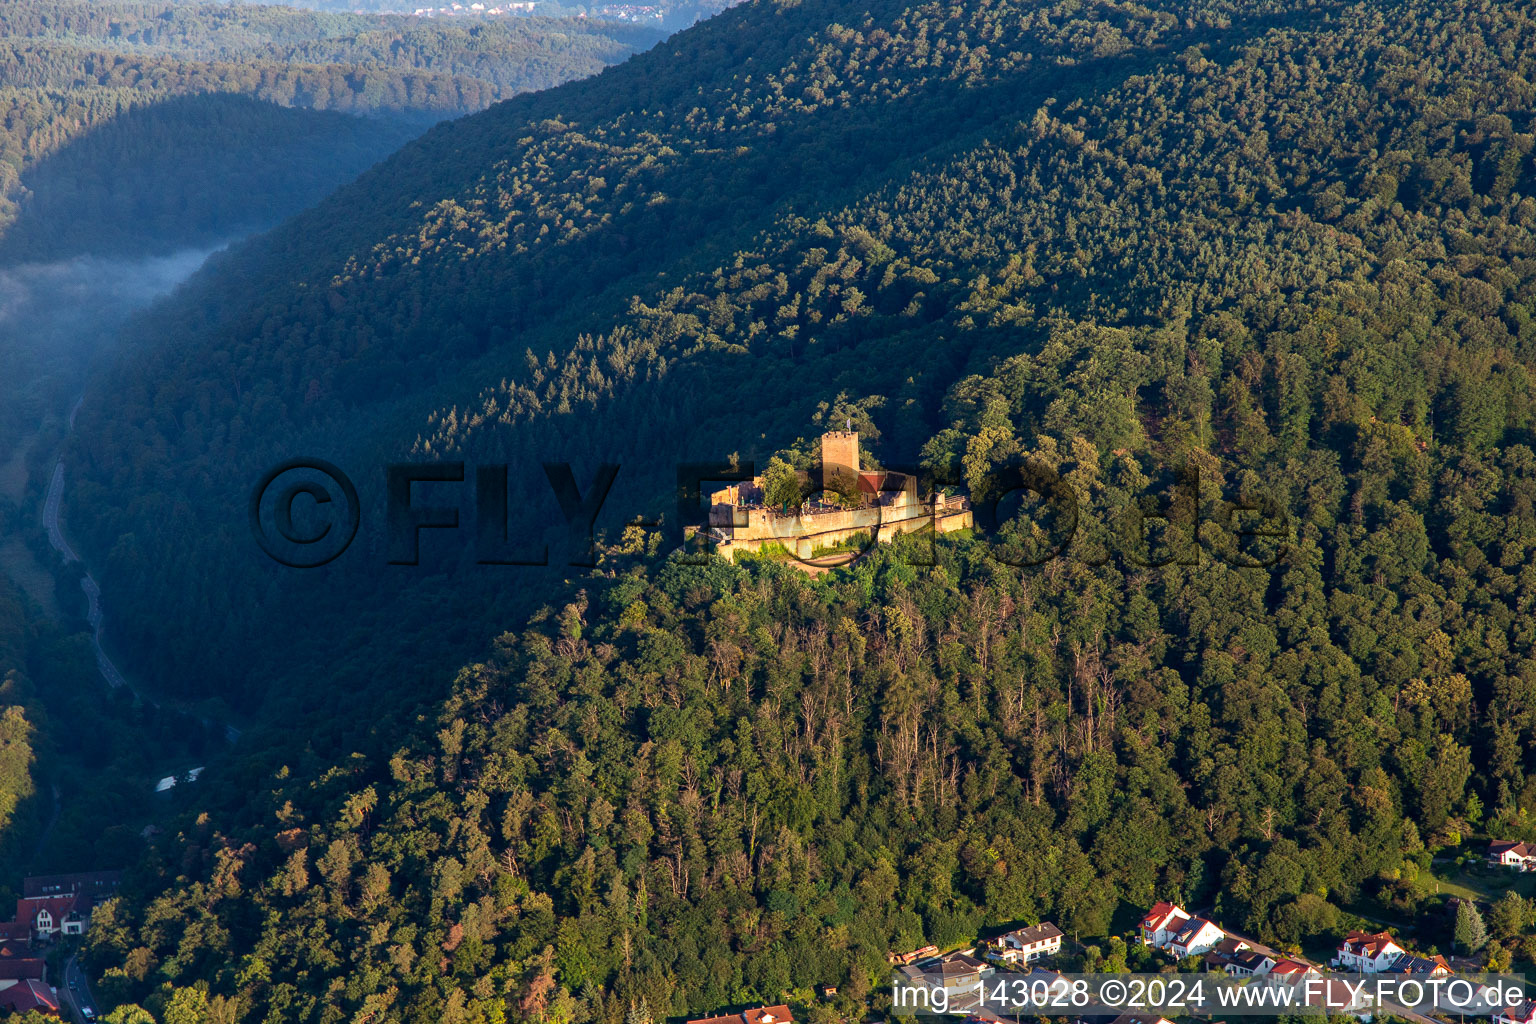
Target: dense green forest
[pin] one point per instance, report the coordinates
(134, 138)
(1290, 247)
(76, 765)
(154, 130)
(124, 124)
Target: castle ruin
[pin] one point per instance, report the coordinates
(874, 503)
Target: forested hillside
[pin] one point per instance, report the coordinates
(153, 130)
(189, 157)
(1291, 248)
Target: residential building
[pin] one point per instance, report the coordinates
(48, 916)
(1367, 952)
(1026, 944)
(1198, 935)
(1161, 924)
(1525, 1013)
(98, 885)
(958, 973)
(760, 1015)
(55, 905)
(30, 995)
(1249, 963)
(1432, 966)
(1291, 970)
(1508, 854)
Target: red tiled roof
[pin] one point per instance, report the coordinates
(58, 907)
(18, 968)
(761, 1015)
(29, 995)
(1159, 914)
(1503, 846)
(1368, 944)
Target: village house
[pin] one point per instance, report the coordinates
(959, 973)
(1026, 944)
(98, 885)
(1432, 966)
(1198, 935)
(1367, 952)
(1161, 924)
(48, 916)
(1525, 1013)
(1509, 854)
(55, 905)
(1250, 963)
(875, 505)
(1292, 970)
(1237, 958)
(29, 995)
(760, 1015)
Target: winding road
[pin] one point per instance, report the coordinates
(88, 583)
(52, 508)
(76, 992)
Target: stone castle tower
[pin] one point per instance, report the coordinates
(840, 458)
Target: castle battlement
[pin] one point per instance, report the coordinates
(740, 521)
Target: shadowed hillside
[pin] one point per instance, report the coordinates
(1291, 250)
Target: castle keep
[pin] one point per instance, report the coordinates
(886, 504)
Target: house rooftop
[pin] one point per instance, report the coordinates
(1044, 931)
(1193, 927)
(1158, 916)
(760, 1015)
(1410, 964)
(97, 883)
(1368, 944)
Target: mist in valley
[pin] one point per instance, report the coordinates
(55, 318)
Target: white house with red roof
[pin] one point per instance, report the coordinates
(1525, 1013)
(1292, 970)
(54, 915)
(759, 1015)
(1368, 952)
(1509, 854)
(1161, 924)
(1198, 935)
